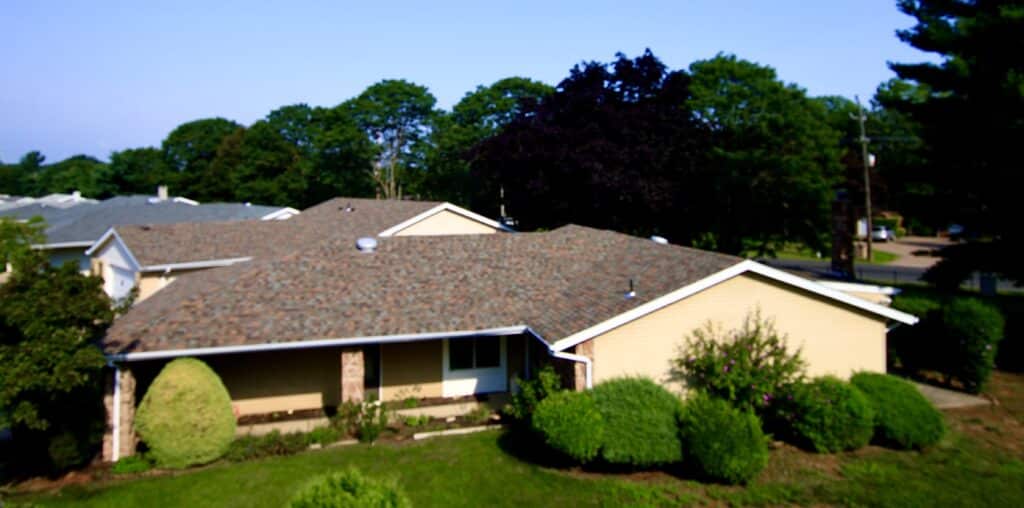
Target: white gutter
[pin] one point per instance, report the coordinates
(281, 346)
(61, 245)
(587, 362)
(213, 263)
(115, 452)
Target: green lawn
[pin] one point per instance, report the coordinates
(799, 252)
(475, 470)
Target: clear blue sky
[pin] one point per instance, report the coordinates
(93, 77)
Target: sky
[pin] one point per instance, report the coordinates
(99, 76)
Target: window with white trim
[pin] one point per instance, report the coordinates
(474, 353)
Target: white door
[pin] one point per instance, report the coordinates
(474, 365)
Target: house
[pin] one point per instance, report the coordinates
(72, 229)
(456, 316)
(150, 256)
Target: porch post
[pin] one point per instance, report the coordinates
(353, 376)
(119, 401)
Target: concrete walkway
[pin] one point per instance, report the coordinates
(912, 250)
(943, 398)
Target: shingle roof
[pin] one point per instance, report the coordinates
(557, 283)
(205, 241)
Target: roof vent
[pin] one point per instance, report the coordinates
(348, 208)
(366, 244)
(631, 294)
(660, 240)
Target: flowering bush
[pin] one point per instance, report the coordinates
(748, 367)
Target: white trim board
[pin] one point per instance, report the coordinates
(277, 214)
(60, 245)
(112, 234)
(212, 263)
(740, 268)
(393, 230)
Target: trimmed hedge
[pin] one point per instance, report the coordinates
(973, 330)
(723, 443)
(640, 420)
(571, 423)
(186, 417)
(903, 417)
(349, 489)
(829, 415)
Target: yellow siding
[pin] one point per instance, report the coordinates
(447, 223)
(281, 380)
(150, 283)
(411, 369)
(836, 339)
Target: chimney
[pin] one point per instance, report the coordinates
(161, 192)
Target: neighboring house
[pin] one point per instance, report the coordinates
(152, 256)
(72, 230)
(462, 315)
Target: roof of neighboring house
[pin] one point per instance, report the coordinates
(557, 283)
(85, 223)
(339, 218)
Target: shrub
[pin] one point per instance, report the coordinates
(131, 464)
(186, 417)
(748, 367)
(829, 415)
(640, 422)
(917, 347)
(571, 423)
(722, 442)
(903, 417)
(973, 330)
(270, 444)
(349, 489)
(416, 421)
(346, 417)
(324, 435)
(371, 421)
(532, 392)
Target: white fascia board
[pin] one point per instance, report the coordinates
(308, 344)
(61, 245)
(859, 288)
(212, 263)
(393, 230)
(276, 214)
(722, 276)
(111, 234)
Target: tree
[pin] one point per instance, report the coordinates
(77, 173)
(261, 166)
(16, 241)
(775, 156)
(190, 149)
(615, 146)
(481, 114)
(397, 116)
(970, 107)
(138, 171)
(50, 368)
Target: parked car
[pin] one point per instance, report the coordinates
(882, 234)
(956, 232)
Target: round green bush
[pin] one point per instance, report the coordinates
(349, 489)
(640, 422)
(186, 417)
(570, 423)
(829, 415)
(903, 417)
(723, 443)
(973, 331)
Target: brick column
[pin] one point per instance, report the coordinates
(579, 368)
(126, 429)
(353, 377)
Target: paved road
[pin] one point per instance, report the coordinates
(887, 274)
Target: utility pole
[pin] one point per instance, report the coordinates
(861, 118)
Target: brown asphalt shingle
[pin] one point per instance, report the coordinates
(205, 241)
(557, 283)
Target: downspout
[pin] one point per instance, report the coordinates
(578, 358)
(115, 452)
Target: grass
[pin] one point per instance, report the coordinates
(797, 251)
(979, 463)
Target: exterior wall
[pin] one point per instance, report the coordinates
(834, 338)
(150, 283)
(411, 369)
(447, 223)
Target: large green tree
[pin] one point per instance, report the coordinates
(50, 367)
(397, 116)
(775, 156)
(970, 107)
(260, 166)
(481, 114)
(190, 149)
(138, 171)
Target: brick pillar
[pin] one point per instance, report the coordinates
(353, 377)
(126, 438)
(579, 368)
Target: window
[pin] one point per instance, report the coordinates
(474, 353)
